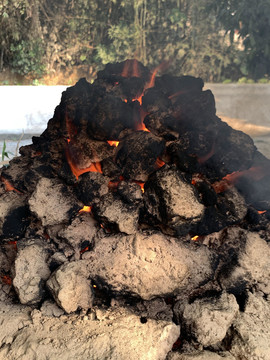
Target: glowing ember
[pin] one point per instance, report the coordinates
(159, 163)
(8, 186)
(113, 143)
(141, 185)
(86, 209)
(94, 167)
(262, 212)
(139, 123)
(6, 280)
(194, 238)
(84, 250)
(14, 243)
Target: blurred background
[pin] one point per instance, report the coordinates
(51, 44)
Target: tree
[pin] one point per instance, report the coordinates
(250, 19)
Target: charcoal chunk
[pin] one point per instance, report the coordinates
(137, 155)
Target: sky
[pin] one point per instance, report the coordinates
(27, 108)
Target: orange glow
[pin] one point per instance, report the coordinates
(176, 94)
(131, 69)
(71, 128)
(139, 124)
(253, 173)
(6, 280)
(84, 250)
(206, 157)
(194, 238)
(8, 186)
(86, 209)
(262, 212)
(159, 163)
(14, 243)
(94, 167)
(164, 65)
(141, 185)
(113, 143)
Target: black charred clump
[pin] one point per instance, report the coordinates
(198, 174)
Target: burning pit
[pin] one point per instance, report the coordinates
(136, 209)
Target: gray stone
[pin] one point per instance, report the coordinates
(171, 200)
(49, 308)
(209, 319)
(112, 211)
(12, 318)
(70, 287)
(81, 231)
(253, 264)
(52, 202)
(116, 335)
(200, 355)
(149, 264)
(31, 270)
(252, 330)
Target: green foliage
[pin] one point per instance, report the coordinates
(4, 152)
(263, 81)
(27, 57)
(197, 36)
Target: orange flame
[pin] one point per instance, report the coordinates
(84, 250)
(195, 238)
(131, 69)
(253, 173)
(94, 167)
(141, 185)
(262, 212)
(8, 186)
(159, 163)
(86, 209)
(139, 124)
(113, 143)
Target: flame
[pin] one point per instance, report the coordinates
(139, 124)
(114, 184)
(253, 173)
(6, 279)
(262, 212)
(94, 167)
(86, 209)
(113, 143)
(8, 186)
(141, 185)
(194, 238)
(84, 250)
(159, 163)
(131, 69)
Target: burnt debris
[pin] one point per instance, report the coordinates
(138, 189)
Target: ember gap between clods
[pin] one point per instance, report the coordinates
(138, 196)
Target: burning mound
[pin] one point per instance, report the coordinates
(137, 193)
